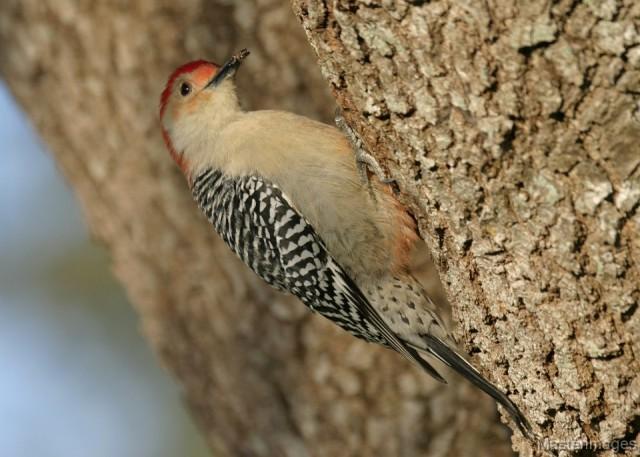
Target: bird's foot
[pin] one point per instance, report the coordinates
(364, 161)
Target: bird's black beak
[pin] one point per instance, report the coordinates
(228, 69)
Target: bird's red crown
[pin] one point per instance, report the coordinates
(197, 67)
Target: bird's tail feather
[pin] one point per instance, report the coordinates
(452, 358)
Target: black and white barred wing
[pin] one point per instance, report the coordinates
(241, 219)
(265, 230)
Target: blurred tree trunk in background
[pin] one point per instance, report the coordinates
(513, 133)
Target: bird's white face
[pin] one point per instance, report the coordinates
(197, 102)
(185, 98)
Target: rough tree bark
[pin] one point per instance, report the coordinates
(513, 132)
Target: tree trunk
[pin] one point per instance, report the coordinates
(513, 134)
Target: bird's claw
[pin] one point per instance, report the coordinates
(364, 161)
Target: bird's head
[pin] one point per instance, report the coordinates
(199, 97)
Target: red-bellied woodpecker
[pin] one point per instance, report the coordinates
(285, 194)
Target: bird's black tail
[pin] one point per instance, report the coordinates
(453, 359)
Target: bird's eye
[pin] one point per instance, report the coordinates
(185, 89)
